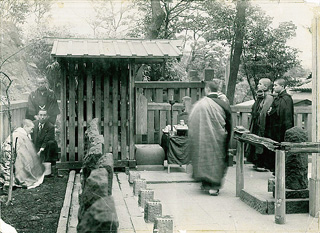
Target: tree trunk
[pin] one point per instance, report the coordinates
(157, 19)
(237, 48)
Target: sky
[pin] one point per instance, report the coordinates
(75, 14)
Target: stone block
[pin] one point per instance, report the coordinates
(139, 184)
(152, 210)
(133, 175)
(164, 224)
(95, 187)
(100, 217)
(149, 154)
(144, 196)
(106, 162)
(296, 163)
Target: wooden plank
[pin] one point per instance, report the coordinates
(170, 94)
(239, 168)
(299, 120)
(151, 128)
(308, 126)
(110, 106)
(81, 113)
(97, 96)
(106, 112)
(175, 117)
(115, 96)
(131, 113)
(165, 106)
(163, 121)
(69, 165)
(169, 84)
(63, 112)
(123, 111)
(72, 112)
(158, 99)
(64, 214)
(193, 95)
(280, 195)
(182, 93)
(245, 122)
(141, 114)
(89, 99)
(148, 94)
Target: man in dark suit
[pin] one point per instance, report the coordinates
(44, 140)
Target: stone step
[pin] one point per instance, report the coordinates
(263, 202)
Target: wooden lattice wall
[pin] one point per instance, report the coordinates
(97, 88)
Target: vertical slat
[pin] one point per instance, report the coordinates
(131, 113)
(245, 120)
(123, 111)
(299, 120)
(115, 90)
(280, 197)
(175, 117)
(159, 99)
(89, 93)
(72, 108)
(151, 118)
(63, 130)
(106, 112)
(309, 126)
(182, 93)
(239, 169)
(141, 115)
(170, 94)
(81, 113)
(97, 96)
(193, 95)
(148, 94)
(163, 121)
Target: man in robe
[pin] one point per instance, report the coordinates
(43, 98)
(44, 140)
(209, 136)
(260, 107)
(28, 168)
(278, 120)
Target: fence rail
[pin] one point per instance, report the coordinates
(18, 110)
(281, 148)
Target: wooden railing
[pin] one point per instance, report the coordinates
(241, 115)
(18, 111)
(281, 148)
(153, 110)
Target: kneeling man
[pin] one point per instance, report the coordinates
(44, 140)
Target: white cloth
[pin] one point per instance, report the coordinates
(6, 228)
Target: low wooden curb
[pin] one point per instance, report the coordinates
(64, 214)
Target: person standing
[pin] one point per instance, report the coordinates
(259, 111)
(43, 98)
(44, 140)
(278, 120)
(209, 136)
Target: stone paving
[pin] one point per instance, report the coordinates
(196, 211)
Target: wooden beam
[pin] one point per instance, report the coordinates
(64, 70)
(69, 165)
(131, 114)
(280, 193)
(165, 106)
(169, 84)
(239, 169)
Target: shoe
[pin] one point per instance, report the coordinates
(214, 192)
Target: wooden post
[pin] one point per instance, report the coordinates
(240, 175)
(314, 192)
(64, 69)
(280, 198)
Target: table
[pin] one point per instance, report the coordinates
(176, 149)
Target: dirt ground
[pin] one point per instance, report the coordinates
(38, 209)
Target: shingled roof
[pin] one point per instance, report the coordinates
(93, 48)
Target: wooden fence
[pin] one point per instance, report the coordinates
(153, 108)
(241, 115)
(18, 110)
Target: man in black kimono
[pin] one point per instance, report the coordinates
(278, 120)
(44, 140)
(43, 98)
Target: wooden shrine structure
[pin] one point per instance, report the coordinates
(97, 78)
